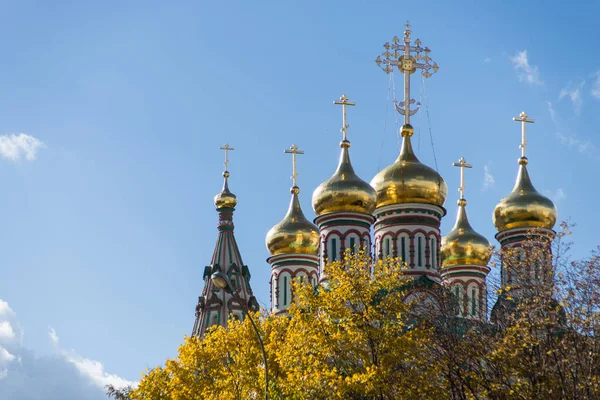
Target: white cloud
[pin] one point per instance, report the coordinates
(552, 112)
(573, 92)
(62, 375)
(488, 179)
(16, 147)
(53, 336)
(487, 60)
(558, 196)
(6, 330)
(596, 86)
(573, 141)
(527, 73)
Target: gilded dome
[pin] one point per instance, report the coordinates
(294, 234)
(225, 199)
(344, 191)
(407, 180)
(524, 207)
(462, 245)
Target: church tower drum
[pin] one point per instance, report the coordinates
(215, 305)
(410, 195)
(293, 244)
(465, 256)
(524, 220)
(343, 204)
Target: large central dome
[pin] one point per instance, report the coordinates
(408, 180)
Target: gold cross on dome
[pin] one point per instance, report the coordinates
(462, 163)
(407, 58)
(293, 150)
(227, 149)
(344, 102)
(522, 118)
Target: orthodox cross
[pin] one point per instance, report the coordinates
(400, 55)
(344, 102)
(227, 148)
(293, 150)
(522, 118)
(462, 163)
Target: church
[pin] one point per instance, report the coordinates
(398, 214)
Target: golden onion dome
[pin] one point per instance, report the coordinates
(344, 191)
(462, 245)
(225, 199)
(294, 234)
(524, 207)
(407, 180)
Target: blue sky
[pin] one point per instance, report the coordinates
(107, 214)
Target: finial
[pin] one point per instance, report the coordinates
(293, 150)
(343, 101)
(522, 118)
(407, 64)
(227, 148)
(462, 163)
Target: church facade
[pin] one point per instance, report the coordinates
(398, 214)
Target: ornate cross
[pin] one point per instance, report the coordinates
(401, 56)
(462, 163)
(344, 102)
(227, 149)
(293, 150)
(522, 118)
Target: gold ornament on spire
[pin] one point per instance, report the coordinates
(524, 207)
(343, 101)
(462, 245)
(225, 199)
(344, 191)
(294, 234)
(293, 150)
(408, 59)
(462, 163)
(522, 118)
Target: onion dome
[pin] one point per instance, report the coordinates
(294, 234)
(462, 245)
(344, 191)
(524, 207)
(408, 180)
(225, 199)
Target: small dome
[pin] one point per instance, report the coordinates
(225, 199)
(524, 207)
(462, 245)
(408, 180)
(294, 234)
(344, 191)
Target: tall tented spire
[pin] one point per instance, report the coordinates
(524, 220)
(410, 195)
(293, 245)
(215, 305)
(343, 204)
(465, 255)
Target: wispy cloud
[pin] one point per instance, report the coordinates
(16, 147)
(487, 60)
(488, 179)
(596, 86)
(573, 93)
(571, 140)
(53, 336)
(91, 369)
(557, 196)
(552, 112)
(526, 72)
